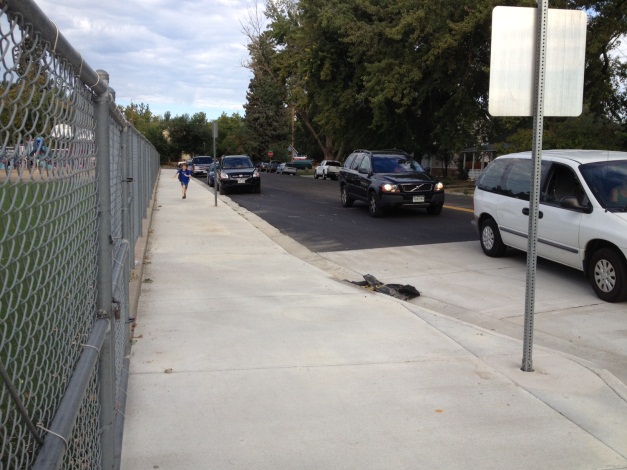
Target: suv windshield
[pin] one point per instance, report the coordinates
(203, 160)
(394, 164)
(608, 183)
(237, 162)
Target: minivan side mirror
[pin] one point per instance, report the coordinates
(571, 202)
(364, 171)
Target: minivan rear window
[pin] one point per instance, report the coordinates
(510, 177)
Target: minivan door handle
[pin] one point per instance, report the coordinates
(525, 211)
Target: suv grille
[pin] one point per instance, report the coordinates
(417, 188)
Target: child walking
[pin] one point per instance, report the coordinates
(183, 175)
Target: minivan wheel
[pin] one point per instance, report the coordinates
(608, 275)
(490, 238)
(374, 206)
(347, 201)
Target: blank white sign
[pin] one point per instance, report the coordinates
(513, 62)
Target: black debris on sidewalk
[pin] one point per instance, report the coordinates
(403, 292)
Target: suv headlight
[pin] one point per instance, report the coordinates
(223, 175)
(256, 173)
(390, 188)
(439, 186)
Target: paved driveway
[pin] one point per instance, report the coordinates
(457, 279)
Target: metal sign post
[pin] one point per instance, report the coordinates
(524, 82)
(534, 199)
(215, 162)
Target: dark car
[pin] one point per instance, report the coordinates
(211, 174)
(272, 166)
(200, 165)
(238, 172)
(388, 178)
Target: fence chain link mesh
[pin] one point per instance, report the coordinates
(49, 226)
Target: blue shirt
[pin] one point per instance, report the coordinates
(184, 175)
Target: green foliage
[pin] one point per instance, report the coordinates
(415, 73)
(410, 74)
(233, 135)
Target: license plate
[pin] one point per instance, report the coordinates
(418, 199)
(241, 180)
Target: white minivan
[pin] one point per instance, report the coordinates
(582, 213)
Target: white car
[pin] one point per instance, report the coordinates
(328, 169)
(582, 213)
(286, 169)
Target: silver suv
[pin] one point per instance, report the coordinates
(200, 165)
(582, 213)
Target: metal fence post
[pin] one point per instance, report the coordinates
(104, 297)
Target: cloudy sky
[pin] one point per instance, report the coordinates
(182, 56)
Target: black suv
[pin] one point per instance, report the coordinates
(237, 172)
(388, 178)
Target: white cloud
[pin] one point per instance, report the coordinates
(182, 56)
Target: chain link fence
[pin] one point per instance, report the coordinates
(76, 180)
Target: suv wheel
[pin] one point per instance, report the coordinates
(222, 189)
(435, 209)
(347, 201)
(490, 238)
(315, 175)
(374, 207)
(608, 275)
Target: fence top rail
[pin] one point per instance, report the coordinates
(49, 32)
(59, 45)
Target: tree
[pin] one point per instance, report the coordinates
(233, 136)
(190, 135)
(415, 73)
(266, 115)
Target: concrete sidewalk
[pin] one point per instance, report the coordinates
(247, 356)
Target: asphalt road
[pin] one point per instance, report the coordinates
(310, 212)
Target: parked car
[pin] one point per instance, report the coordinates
(388, 178)
(286, 169)
(263, 166)
(200, 165)
(582, 215)
(302, 164)
(272, 166)
(211, 174)
(237, 171)
(328, 169)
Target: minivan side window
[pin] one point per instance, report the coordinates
(518, 183)
(510, 177)
(562, 183)
(492, 177)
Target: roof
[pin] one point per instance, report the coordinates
(577, 155)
